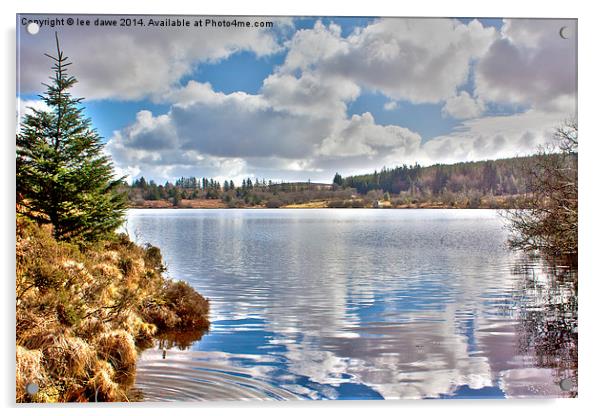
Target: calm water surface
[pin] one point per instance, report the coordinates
(359, 304)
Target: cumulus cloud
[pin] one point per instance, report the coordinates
(361, 136)
(266, 134)
(463, 106)
(531, 64)
(418, 60)
(150, 133)
(310, 94)
(244, 125)
(136, 62)
(311, 46)
(168, 163)
(206, 131)
(199, 137)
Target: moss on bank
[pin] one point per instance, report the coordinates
(83, 314)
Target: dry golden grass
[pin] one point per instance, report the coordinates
(102, 384)
(30, 370)
(311, 204)
(118, 348)
(180, 308)
(83, 313)
(185, 203)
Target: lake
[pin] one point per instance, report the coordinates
(359, 304)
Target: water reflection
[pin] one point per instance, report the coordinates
(182, 340)
(346, 304)
(548, 318)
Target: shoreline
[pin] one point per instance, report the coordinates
(84, 315)
(315, 208)
(487, 202)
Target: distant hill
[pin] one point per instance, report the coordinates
(496, 177)
(484, 184)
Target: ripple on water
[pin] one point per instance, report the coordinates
(199, 376)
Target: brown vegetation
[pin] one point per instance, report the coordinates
(83, 314)
(547, 219)
(310, 204)
(184, 203)
(176, 306)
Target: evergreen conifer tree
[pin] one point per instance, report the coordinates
(338, 179)
(63, 175)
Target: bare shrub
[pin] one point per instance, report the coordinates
(546, 221)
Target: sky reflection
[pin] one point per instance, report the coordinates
(346, 304)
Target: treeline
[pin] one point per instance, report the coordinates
(484, 184)
(248, 193)
(194, 188)
(497, 177)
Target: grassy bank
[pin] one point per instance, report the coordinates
(354, 201)
(84, 313)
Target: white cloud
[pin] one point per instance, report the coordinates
(418, 60)
(390, 105)
(310, 94)
(271, 138)
(25, 107)
(530, 64)
(494, 137)
(150, 133)
(166, 164)
(360, 136)
(463, 106)
(243, 125)
(311, 46)
(200, 138)
(210, 133)
(134, 63)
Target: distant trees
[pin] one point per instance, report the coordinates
(490, 177)
(188, 183)
(63, 176)
(148, 190)
(338, 179)
(177, 197)
(483, 184)
(441, 178)
(548, 221)
(494, 177)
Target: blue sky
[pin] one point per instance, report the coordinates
(314, 96)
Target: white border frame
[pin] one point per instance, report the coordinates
(589, 172)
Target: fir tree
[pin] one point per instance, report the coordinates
(338, 179)
(63, 176)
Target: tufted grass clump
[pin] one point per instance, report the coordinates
(83, 314)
